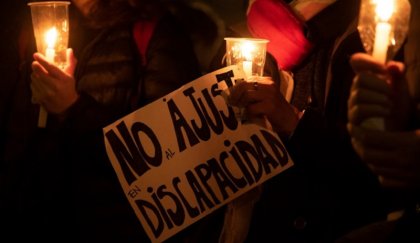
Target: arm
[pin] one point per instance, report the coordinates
(381, 90)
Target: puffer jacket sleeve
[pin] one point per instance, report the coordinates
(171, 62)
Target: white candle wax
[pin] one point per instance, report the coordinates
(380, 51)
(247, 66)
(380, 47)
(50, 39)
(42, 118)
(49, 54)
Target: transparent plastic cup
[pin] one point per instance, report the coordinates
(248, 53)
(50, 22)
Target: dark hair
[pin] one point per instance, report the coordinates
(108, 13)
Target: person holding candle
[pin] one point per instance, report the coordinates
(392, 154)
(391, 91)
(329, 191)
(60, 185)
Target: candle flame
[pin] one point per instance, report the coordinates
(51, 37)
(247, 48)
(384, 9)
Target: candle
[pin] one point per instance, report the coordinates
(49, 54)
(50, 40)
(380, 47)
(247, 66)
(249, 55)
(384, 10)
(50, 22)
(42, 117)
(247, 49)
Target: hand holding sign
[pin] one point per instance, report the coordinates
(184, 156)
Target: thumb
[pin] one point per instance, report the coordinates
(396, 71)
(71, 62)
(53, 70)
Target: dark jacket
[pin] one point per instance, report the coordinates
(329, 191)
(60, 184)
(11, 18)
(406, 228)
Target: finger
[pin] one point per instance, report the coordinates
(248, 97)
(384, 140)
(266, 93)
(396, 68)
(236, 92)
(361, 96)
(390, 158)
(362, 62)
(40, 74)
(392, 171)
(359, 113)
(358, 148)
(71, 62)
(38, 69)
(393, 183)
(52, 69)
(261, 79)
(371, 82)
(41, 81)
(371, 154)
(379, 158)
(367, 138)
(391, 177)
(245, 92)
(37, 89)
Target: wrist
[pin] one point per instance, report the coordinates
(63, 113)
(287, 127)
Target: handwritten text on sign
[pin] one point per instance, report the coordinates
(183, 156)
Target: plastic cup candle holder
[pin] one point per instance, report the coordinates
(248, 53)
(50, 21)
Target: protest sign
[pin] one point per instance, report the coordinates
(185, 155)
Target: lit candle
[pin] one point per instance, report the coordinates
(247, 66)
(380, 48)
(384, 10)
(247, 48)
(50, 40)
(50, 22)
